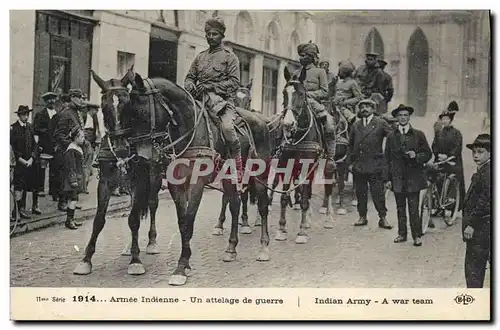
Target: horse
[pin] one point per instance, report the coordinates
(170, 131)
(303, 140)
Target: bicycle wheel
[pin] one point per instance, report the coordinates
(13, 211)
(451, 200)
(425, 208)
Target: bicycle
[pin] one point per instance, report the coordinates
(13, 208)
(447, 200)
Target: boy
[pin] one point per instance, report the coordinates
(476, 222)
(73, 174)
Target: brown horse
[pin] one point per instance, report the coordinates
(170, 131)
(303, 139)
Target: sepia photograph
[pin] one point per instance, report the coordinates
(243, 151)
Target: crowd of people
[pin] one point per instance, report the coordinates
(66, 139)
(62, 140)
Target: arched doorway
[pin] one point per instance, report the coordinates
(374, 43)
(418, 72)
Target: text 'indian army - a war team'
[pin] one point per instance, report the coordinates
(342, 119)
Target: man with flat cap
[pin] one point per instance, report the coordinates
(214, 78)
(367, 161)
(316, 84)
(72, 115)
(387, 89)
(43, 125)
(369, 76)
(407, 152)
(476, 220)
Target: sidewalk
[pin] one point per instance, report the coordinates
(52, 216)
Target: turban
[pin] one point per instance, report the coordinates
(346, 66)
(216, 24)
(308, 49)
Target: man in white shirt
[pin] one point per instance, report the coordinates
(367, 162)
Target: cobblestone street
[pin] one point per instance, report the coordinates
(345, 256)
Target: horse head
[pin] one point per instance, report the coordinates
(115, 101)
(244, 96)
(294, 100)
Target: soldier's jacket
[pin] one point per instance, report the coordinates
(347, 93)
(219, 70)
(316, 82)
(370, 80)
(387, 87)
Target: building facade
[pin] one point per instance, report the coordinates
(433, 56)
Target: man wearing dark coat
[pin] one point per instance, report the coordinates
(476, 221)
(407, 151)
(71, 115)
(25, 151)
(448, 142)
(367, 162)
(43, 126)
(387, 89)
(369, 76)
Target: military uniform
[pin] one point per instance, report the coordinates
(316, 85)
(347, 91)
(370, 79)
(387, 89)
(214, 78)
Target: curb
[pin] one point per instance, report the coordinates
(53, 219)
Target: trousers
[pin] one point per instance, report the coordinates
(226, 111)
(476, 257)
(413, 199)
(375, 180)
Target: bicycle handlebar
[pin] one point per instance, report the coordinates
(446, 161)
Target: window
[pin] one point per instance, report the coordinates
(269, 87)
(244, 59)
(125, 61)
(272, 38)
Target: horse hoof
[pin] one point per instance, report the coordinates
(153, 249)
(341, 211)
(263, 255)
(126, 251)
(328, 224)
(245, 230)
(258, 221)
(354, 203)
(218, 231)
(177, 280)
(229, 256)
(296, 207)
(307, 225)
(83, 268)
(280, 236)
(301, 239)
(323, 210)
(136, 269)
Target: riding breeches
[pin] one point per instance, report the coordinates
(226, 111)
(317, 108)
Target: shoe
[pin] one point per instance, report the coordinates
(383, 223)
(24, 215)
(400, 239)
(36, 211)
(62, 207)
(361, 222)
(417, 241)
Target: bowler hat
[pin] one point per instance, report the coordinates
(482, 140)
(49, 95)
(23, 109)
(402, 107)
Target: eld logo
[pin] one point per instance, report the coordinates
(464, 299)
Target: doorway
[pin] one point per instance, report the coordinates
(418, 72)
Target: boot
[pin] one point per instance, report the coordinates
(330, 154)
(70, 221)
(34, 206)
